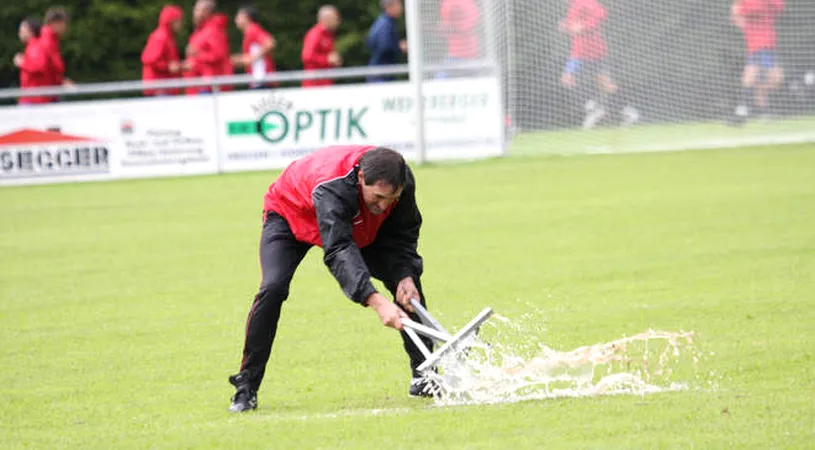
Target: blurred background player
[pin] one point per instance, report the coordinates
(33, 62)
(220, 26)
(318, 45)
(256, 50)
(460, 20)
(586, 68)
(383, 38)
(56, 25)
(160, 59)
(206, 48)
(762, 74)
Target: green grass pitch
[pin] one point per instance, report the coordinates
(122, 307)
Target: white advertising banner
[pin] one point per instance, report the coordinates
(268, 129)
(251, 130)
(102, 140)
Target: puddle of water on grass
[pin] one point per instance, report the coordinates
(649, 362)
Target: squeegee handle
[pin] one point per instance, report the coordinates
(439, 336)
(425, 316)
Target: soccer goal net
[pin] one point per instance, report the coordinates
(595, 76)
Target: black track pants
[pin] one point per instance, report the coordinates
(280, 254)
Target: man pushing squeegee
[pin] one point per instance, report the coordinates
(359, 204)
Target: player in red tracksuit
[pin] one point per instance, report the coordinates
(257, 46)
(318, 45)
(587, 59)
(160, 59)
(359, 204)
(221, 28)
(762, 74)
(459, 23)
(33, 62)
(206, 49)
(56, 25)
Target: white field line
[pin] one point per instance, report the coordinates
(262, 416)
(726, 142)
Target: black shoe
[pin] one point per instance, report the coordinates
(422, 387)
(245, 398)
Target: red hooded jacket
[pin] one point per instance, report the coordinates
(55, 72)
(317, 45)
(34, 71)
(210, 52)
(161, 50)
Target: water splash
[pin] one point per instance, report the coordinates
(499, 372)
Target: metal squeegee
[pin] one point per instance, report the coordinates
(432, 329)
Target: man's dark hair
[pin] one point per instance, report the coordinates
(34, 25)
(56, 14)
(385, 165)
(250, 11)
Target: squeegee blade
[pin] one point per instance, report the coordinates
(452, 344)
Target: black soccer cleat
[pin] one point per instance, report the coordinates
(245, 398)
(422, 388)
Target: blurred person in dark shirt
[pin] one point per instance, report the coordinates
(383, 38)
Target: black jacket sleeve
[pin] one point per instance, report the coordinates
(397, 240)
(336, 204)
